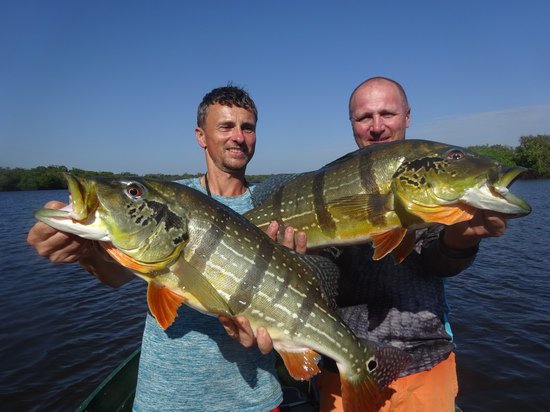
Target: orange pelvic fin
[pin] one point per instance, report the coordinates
(447, 215)
(363, 396)
(301, 365)
(405, 247)
(163, 303)
(386, 241)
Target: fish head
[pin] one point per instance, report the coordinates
(135, 215)
(446, 184)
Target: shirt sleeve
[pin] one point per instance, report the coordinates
(441, 260)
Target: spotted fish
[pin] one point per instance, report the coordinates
(383, 193)
(191, 249)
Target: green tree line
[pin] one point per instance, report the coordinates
(532, 153)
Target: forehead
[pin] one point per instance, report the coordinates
(221, 113)
(375, 97)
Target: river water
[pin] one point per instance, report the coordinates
(62, 331)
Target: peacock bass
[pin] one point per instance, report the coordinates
(383, 193)
(192, 249)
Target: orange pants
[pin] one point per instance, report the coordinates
(431, 390)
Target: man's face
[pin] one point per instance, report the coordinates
(229, 137)
(378, 113)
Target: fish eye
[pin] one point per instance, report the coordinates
(134, 190)
(455, 154)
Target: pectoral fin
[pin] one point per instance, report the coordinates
(386, 241)
(301, 364)
(361, 207)
(200, 292)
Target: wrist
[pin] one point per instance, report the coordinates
(457, 249)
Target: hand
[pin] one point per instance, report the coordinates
(298, 243)
(57, 246)
(61, 247)
(468, 234)
(239, 329)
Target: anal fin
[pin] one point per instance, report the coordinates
(301, 365)
(163, 303)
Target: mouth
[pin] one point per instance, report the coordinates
(78, 217)
(238, 151)
(507, 176)
(496, 195)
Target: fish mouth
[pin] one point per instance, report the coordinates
(82, 197)
(78, 217)
(497, 197)
(507, 176)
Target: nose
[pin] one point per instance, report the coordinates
(377, 124)
(238, 135)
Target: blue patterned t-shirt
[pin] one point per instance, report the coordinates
(195, 366)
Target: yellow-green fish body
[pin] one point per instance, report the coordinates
(383, 192)
(191, 249)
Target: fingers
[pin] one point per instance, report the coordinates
(301, 242)
(239, 329)
(272, 230)
(57, 246)
(495, 223)
(229, 326)
(288, 239)
(265, 344)
(467, 234)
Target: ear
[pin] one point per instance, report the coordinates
(408, 118)
(201, 139)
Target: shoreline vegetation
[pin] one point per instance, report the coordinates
(532, 153)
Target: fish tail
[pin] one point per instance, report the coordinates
(362, 391)
(360, 396)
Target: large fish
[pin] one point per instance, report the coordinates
(191, 249)
(384, 192)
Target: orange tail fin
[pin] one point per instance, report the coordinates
(363, 396)
(364, 392)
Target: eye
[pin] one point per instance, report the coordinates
(135, 191)
(455, 154)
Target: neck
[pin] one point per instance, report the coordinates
(223, 183)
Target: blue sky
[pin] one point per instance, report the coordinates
(114, 85)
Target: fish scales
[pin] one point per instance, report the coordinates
(191, 249)
(383, 193)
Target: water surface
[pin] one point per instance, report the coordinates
(62, 331)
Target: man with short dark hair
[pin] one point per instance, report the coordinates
(194, 365)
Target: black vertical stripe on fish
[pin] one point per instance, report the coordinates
(367, 175)
(209, 242)
(326, 222)
(369, 185)
(277, 205)
(304, 311)
(242, 298)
